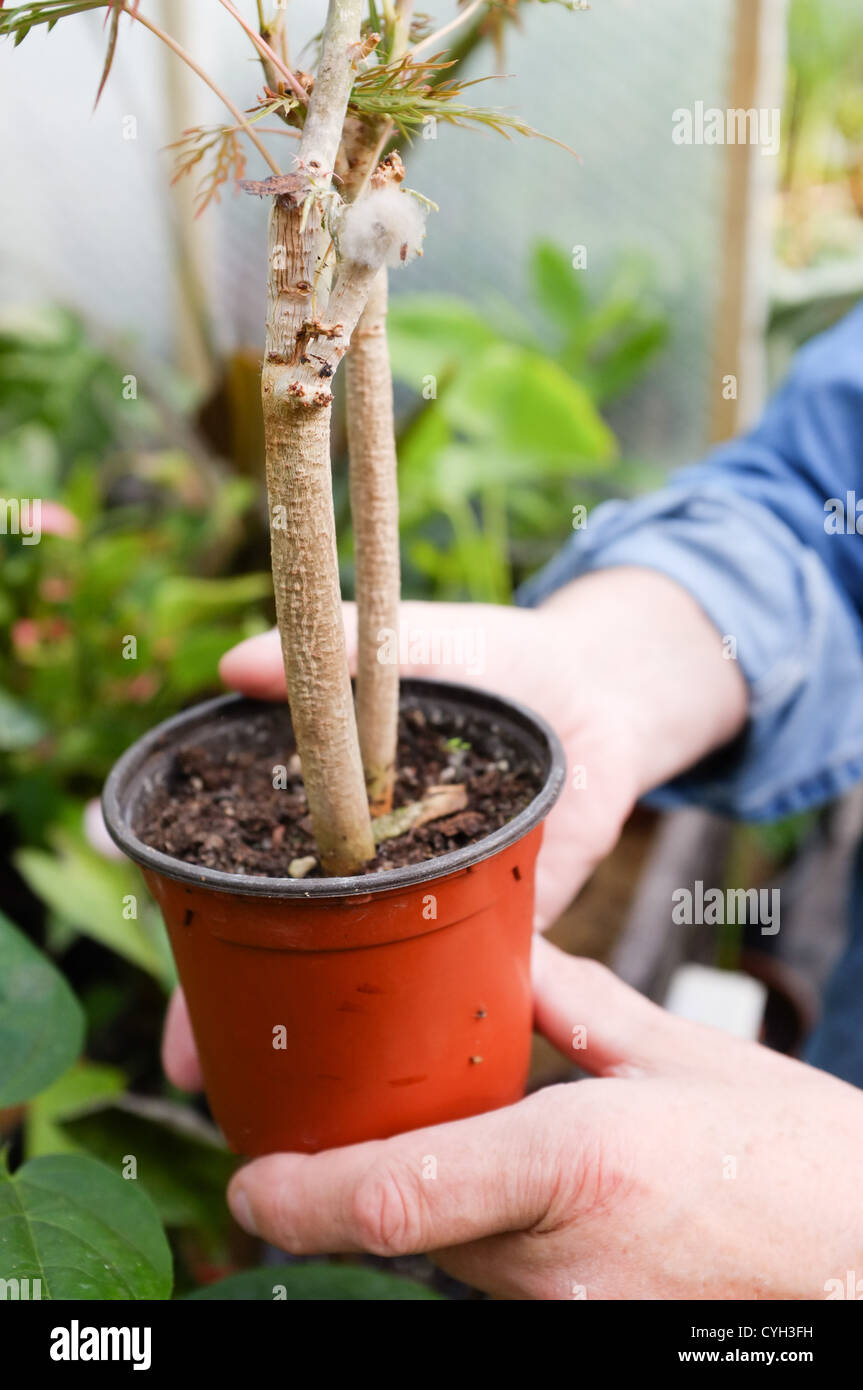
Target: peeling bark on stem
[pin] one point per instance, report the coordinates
(374, 506)
(302, 526)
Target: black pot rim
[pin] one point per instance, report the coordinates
(115, 808)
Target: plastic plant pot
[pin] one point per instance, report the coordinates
(334, 1010)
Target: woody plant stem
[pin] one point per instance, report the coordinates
(374, 484)
(304, 342)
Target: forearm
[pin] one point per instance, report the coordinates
(651, 657)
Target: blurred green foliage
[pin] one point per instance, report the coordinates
(825, 77)
(822, 134)
(111, 628)
(504, 432)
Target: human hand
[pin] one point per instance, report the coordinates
(697, 1166)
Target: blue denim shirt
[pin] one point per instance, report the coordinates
(763, 534)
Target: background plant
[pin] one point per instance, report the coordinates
(822, 136)
(516, 433)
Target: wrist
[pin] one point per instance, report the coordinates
(653, 667)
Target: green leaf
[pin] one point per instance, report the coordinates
(86, 1085)
(20, 727)
(181, 1163)
(182, 602)
(510, 417)
(88, 892)
(559, 288)
(195, 663)
(407, 92)
(22, 18)
(41, 1021)
(419, 450)
(615, 370)
(528, 410)
(82, 1230)
(314, 1282)
(29, 461)
(429, 335)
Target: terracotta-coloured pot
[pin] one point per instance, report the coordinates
(329, 1011)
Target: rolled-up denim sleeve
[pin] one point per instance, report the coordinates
(763, 535)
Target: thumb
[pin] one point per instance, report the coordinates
(449, 640)
(424, 1190)
(255, 667)
(601, 1024)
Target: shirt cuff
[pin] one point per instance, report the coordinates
(798, 641)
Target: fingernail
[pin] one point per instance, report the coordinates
(242, 1211)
